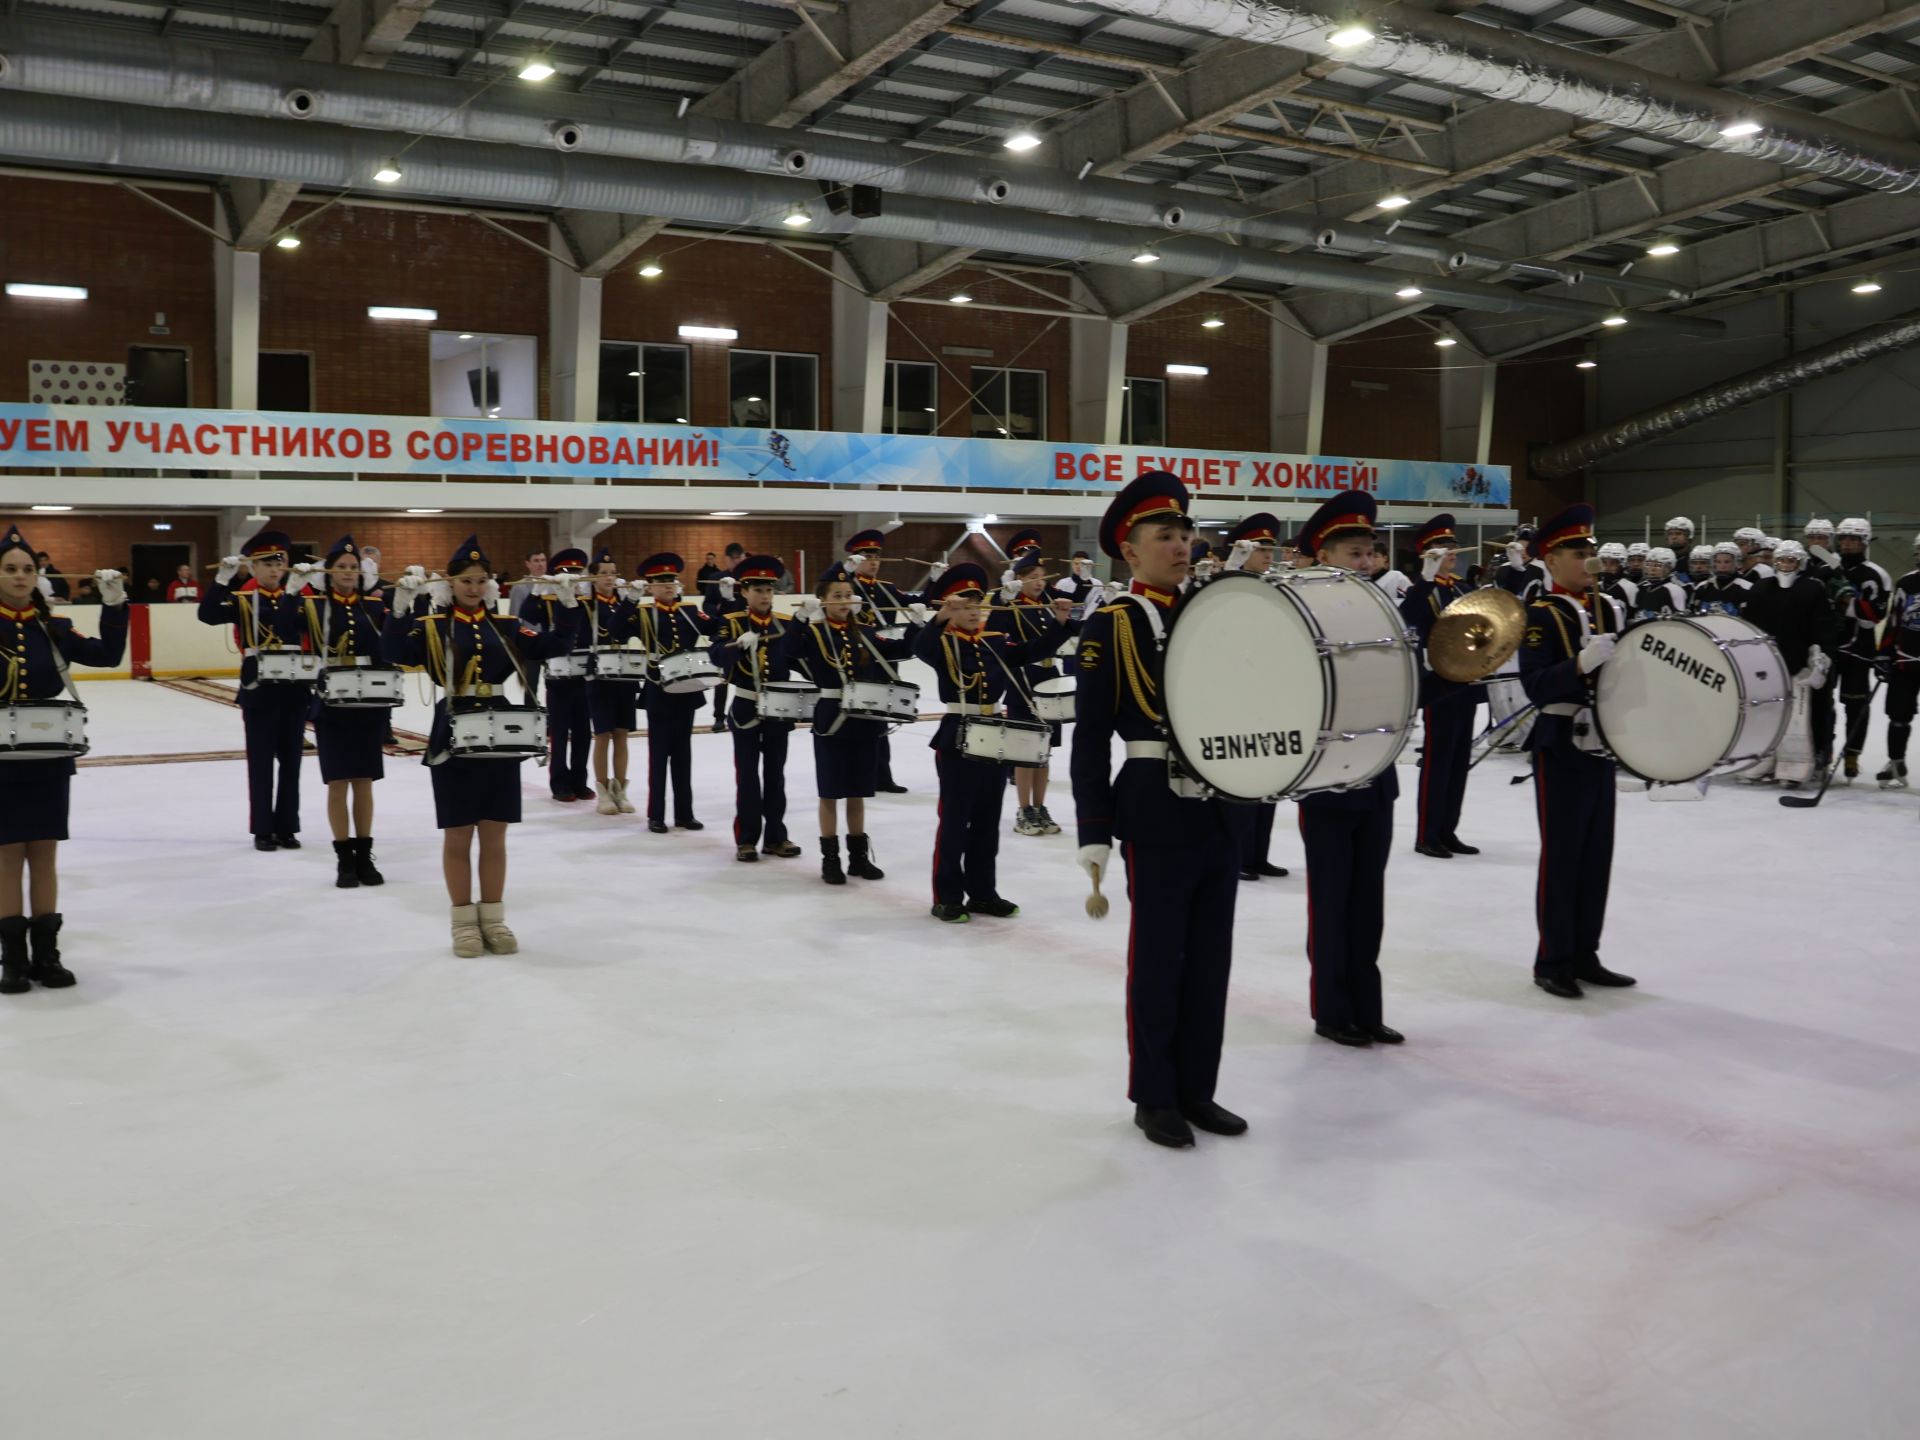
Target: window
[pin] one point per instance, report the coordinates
(286, 380)
(644, 384)
(496, 376)
(765, 387)
(1009, 404)
(1143, 411)
(908, 406)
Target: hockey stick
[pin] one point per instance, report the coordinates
(1807, 802)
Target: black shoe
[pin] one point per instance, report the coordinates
(43, 932)
(688, 824)
(860, 859)
(786, 849)
(1277, 872)
(658, 827)
(1594, 973)
(1565, 986)
(1344, 1035)
(1387, 1035)
(363, 862)
(746, 854)
(287, 842)
(565, 797)
(1461, 848)
(586, 792)
(720, 726)
(346, 873)
(1214, 1119)
(952, 914)
(1249, 874)
(1164, 1126)
(1438, 852)
(998, 906)
(889, 788)
(265, 842)
(14, 965)
(830, 870)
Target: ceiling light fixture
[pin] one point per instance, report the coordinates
(466, 334)
(1212, 322)
(1586, 365)
(650, 271)
(46, 508)
(1186, 369)
(960, 298)
(288, 242)
(1867, 287)
(1021, 141)
(424, 510)
(633, 374)
(387, 172)
(1740, 129)
(728, 514)
(708, 332)
(163, 525)
(1662, 248)
(536, 70)
(27, 290)
(1350, 37)
(400, 312)
(1148, 256)
(797, 217)
(1408, 292)
(1613, 322)
(1446, 341)
(1393, 202)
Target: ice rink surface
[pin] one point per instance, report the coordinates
(726, 1153)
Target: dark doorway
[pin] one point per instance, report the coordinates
(157, 376)
(156, 562)
(286, 380)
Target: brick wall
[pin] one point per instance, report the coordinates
(1023, 342)
(1399, 422)
(1225, 409)
(1537, 400)
(134, 261)
(80, 544)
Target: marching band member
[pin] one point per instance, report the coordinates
(1521, 575)
(1348, 834)
(881, 606)
(345, 627)
(1030, 615)
(569, 712)
(1680, 542)
(668, 627)
(1571, 632)
(1724, 592)
(975, 667)
(1659, 593)
(607, 619)
(266, 618)
(1250, 547)
(469, 652)
(36, 649)
(1181, 855)
(1023, 544)
(746, 649)
(1902, 660)
(1871, 586)
(719, 598)
(1448, 714)
(834, 647)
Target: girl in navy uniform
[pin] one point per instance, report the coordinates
(607, 618)
(36, 647)
(974, 665)
(346, 627)
(881, 606)
(569, 720)
(469, 652)
(1030, 614)
(266, 617)
(748, 650)
(1448, 709)
(833, 648)
(668, 627)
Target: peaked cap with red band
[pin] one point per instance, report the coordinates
(267, 544)
(867, 542)
(1024, 541)
(573, 559)
(1351, 512)
(757, 570)
(1437, 531)
(960, 580)
(1260, 527)
(1572, 526)
(1157, 495)
(664, 566)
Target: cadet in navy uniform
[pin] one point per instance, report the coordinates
(569, 716)
(720, 597)
(974, 665)
(1182, 855)
(1521, 575)
(1571, 632)
(668, 627)
(1031, 613)
(266, 617)
(1347, 836)
(1448, 709)
(607, 619)
(345, 627)
(881, 608)
(470, 653)
(836, 646)
(1251, 546)
(747, 650)
(36, 647)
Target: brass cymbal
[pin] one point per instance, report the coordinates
(1476, 635)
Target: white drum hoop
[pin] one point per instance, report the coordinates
(883, 700)
(286, 667)
(362, 687)
(787, 700)
(1001, 740)
(507, 732)
(1749, 659)
(43, 730)
(685, 672)
(616, 662)
(1053, 700)
(574, 666)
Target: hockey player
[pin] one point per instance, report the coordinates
(1725, 591)
(1659, 593)
(1699, 566)
(1902, 659)
(1612, 580)
(1819, 543)
(1636, 567)
(1871, 587)
(1753, 545)
(1680, 541)
(1521, 575)
(1801, 623)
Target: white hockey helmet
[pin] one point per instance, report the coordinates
(1661, 555)
(1749, 534)
(1790, 550)
(1707, 552)
(1817, 526)
(1637, 550)
(1770, 544)
(1854, 525)
(1613, 550)
(1727, 547)
(1680, 522)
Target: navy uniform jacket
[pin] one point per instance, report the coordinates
(29, 669)
(261, 620)
(1550, 660)
(881, 604)
(471, 652)
(669, 629)
(1029, 619)
(1119, 694)
(769, 661)
(546, 614)
(1423, 604)
(816, 649)
(604, 624)
(964, 663)
(345, 631)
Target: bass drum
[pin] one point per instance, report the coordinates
(1287, 685)
(1691, 696)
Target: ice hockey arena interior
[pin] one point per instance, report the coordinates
(835, 719)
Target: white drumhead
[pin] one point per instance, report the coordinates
(1669, 702)
(1242, 690)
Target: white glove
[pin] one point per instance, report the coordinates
(1092, 857)
(1115, 589)
(567, 594)
(113, 587)
(1517, 555)
(936, 570)
(1009, 593)
(405, 595)
(1007, 581)
(809, 610)
(1599, 650)
(1431, 561)
(304, 575)
(492, 592)
(725, 586)
(229, 567)
(918, 614)
(1238, 556)
(748, 642)
(440, 592)
(414, 575)
(1818, 666)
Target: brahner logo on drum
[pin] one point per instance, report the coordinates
(1713, 679)
(1253, 745)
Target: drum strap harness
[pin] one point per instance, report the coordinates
(1144, 680)
(759, 663)
(13, 679)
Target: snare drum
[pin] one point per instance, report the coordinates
(1506, 697)
(368, 687)
(686, 672)
(511, 732)
(576, 666)
(1003, 741)
(43, 730)
(787, 699)
(1288, 685)
(1053, 699)
(1692, 695)
(616, 662)
(880, 700)
(287, 667)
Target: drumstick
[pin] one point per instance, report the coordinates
(1096, 902)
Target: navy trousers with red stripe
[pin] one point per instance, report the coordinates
(569, 736)
(759, 778)
(670, 753)
(275, 717)
(1444, 758)
(966, 840)
(1179, 956)
(1574, 795)
(1347, 839)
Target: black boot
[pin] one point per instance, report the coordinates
(363, 862)
(346, 875)
(860, 859)
(997, 906)
(44, 931)
(830, 870)
(1592, 972)
(1164, 1126)
(13, 956)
